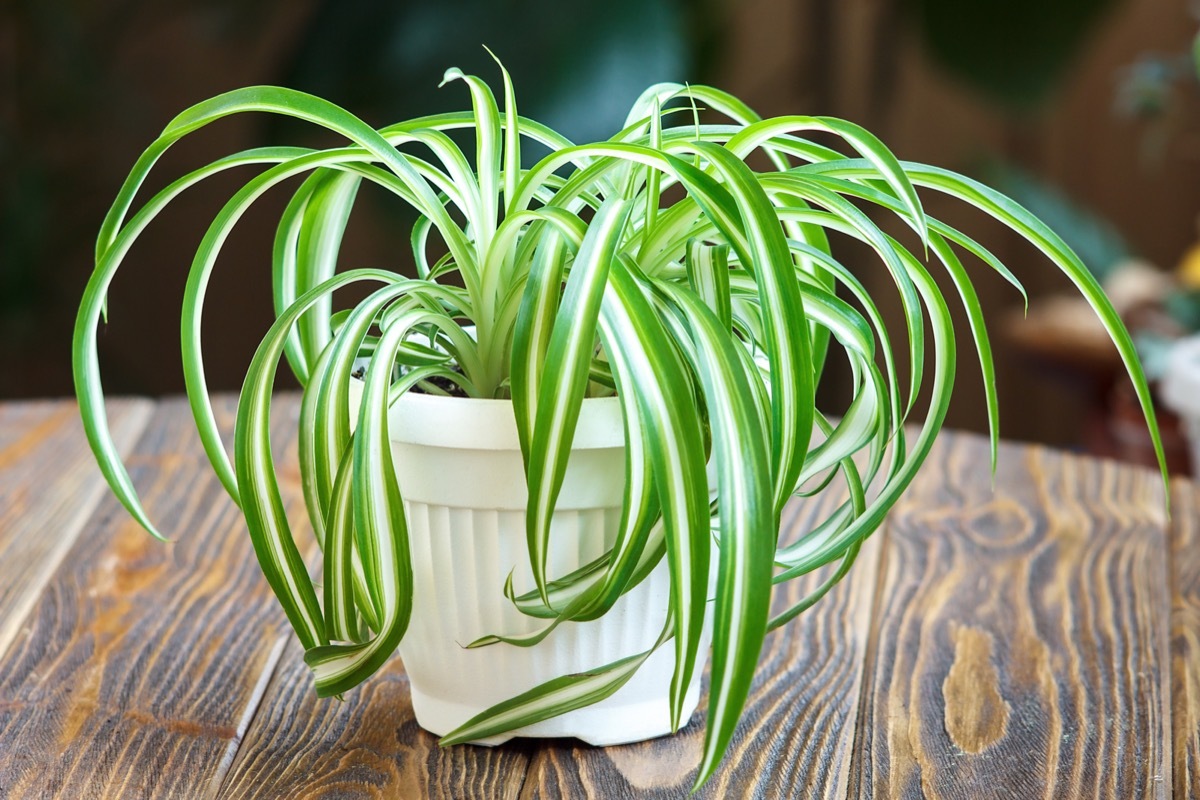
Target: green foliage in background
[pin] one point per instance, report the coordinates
(578, 65)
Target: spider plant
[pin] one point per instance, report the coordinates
(658, 266)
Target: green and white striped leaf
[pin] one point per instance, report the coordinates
(635, 340)
(564, 378)
(557, 696)
(277, 553)
(747, 523)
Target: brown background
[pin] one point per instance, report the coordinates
(157, 60)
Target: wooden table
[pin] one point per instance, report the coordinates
(1042, 640)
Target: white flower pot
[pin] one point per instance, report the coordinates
(460, 470)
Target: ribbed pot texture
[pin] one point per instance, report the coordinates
(460, 471)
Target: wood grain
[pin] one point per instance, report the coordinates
(49, 485)
(303, 747)
(141, 663)
(796, 737)
(1185, 637)
(1032, 642)
(1021, 634)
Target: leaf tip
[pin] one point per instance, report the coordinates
(707, 768)
(495, 58)
(139, 515)
(452, 738)
(482, 641)
(452, 74)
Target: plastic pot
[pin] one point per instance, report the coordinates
(460, 470)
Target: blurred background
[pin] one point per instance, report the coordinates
(1086, 111)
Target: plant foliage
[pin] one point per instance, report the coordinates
(657, 265)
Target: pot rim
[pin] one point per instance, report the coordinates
(470, 423)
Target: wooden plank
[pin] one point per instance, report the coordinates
(796, 736)
(49, 485)
(1021, 633)
(141, 663)
(1185, 637)
(300, 746)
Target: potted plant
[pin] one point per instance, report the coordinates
(602, 376)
